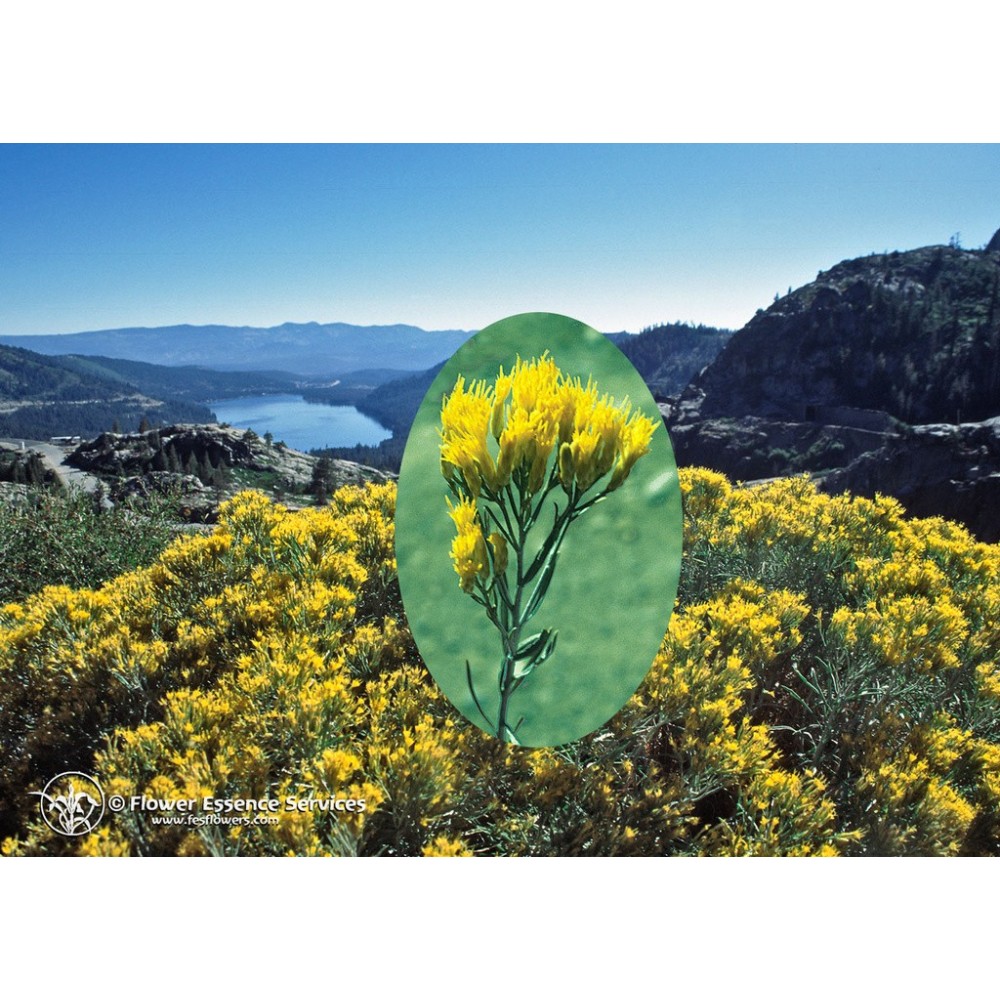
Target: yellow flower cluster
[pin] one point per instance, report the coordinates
(235, 667)
(900, 626)
(830, 683)
(913, 794)
(468, 549)
(535, 414)
(472, 553)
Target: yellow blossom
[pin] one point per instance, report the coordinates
(468, 548)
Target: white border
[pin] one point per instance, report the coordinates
(544, 70)
(421, 928)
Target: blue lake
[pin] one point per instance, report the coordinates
(299, 424)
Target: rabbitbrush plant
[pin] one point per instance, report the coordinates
(829, 684)
(561, 448)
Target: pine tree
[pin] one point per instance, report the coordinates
(205, 471)
(322, 479)
(221, 478)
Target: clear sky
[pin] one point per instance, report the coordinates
(621, 237)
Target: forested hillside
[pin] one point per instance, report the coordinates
(41, 397)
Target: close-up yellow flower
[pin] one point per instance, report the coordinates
(551, 431)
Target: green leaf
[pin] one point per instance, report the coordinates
(472, 691)
(534, 651)
(548, 649)
(545, 551)
(531, 645)
(541, 588)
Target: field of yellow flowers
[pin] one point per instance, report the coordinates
(829, 684)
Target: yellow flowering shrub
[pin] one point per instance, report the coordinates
(900, 631)
(830, 683)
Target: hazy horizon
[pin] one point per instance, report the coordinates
(454, 237)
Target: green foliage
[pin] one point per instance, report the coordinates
(181, 382)
(669, 355)
(322, 480)
(55, 538)
(27, 375)
(265, 480)
(59, 397)
(386, 455)
(40, 421)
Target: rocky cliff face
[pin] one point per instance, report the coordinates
(883, 375)
(913, 334)
(934, 470)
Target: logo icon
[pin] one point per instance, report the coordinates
(72, 804)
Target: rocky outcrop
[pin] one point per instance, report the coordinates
(224, 458)
(915, 335)
(934, 470)
(944, 470)
(752, 448)
(882, 376)
(184, 443)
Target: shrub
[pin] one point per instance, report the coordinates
(828, 684)
(52, 537)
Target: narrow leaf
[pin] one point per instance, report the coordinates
(544, 552)
(472, 691)
(541, 588)
(539, 648)
(532, 645)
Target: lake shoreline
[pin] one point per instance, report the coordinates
(300, 423)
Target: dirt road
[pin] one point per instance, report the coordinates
(54, 458)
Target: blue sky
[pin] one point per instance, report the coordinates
(95, 237)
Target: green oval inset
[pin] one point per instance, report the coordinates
(542, 670)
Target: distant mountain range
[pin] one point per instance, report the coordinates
(309, 350)
(882, 375)
(667, 357)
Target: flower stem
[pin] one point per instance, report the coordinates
(506, 685)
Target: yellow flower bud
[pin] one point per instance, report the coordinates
(584, 448)
(500, 393)
(566, 466)
(499, 546)
(633, 444)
